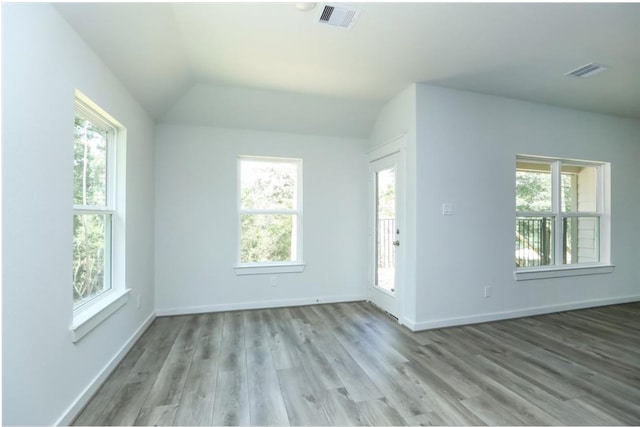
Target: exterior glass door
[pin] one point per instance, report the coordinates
(386, 231)
(385, 286)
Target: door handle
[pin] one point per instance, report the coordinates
(396, 243)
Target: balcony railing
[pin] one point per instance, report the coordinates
(386, 252)
(534, 241)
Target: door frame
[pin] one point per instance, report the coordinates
(395, 146)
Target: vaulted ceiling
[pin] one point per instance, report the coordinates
(232, 64)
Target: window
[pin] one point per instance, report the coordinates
(560, 213)
(98, 230)
(270, 212)
(93, 204)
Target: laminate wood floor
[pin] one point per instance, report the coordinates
(350, 364)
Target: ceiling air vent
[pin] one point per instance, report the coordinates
(588, 70)
(338, 15)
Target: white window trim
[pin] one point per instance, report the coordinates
(535, 273)
(244, 270)
(89, 314)
(603, 212)
(298, 266)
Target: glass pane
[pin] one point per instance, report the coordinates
(579, 187)
(534, 241)
(581, 240)
(268, 185)
(268, 238)
(533, 187)
(89, 164)
(386, 228)
(90, 245)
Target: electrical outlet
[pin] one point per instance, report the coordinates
(274, 281)
(487, 291)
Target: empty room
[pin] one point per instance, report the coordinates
(320, 213)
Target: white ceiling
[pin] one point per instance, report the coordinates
(173, 55)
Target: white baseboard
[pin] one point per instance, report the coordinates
(84, 397)
(256, 305)
(503, 315)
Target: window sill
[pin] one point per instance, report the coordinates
(556, 272)
(87, 319)
(242, 270)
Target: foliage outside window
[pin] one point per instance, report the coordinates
(559, 205)
(93, 203)
(270, 212)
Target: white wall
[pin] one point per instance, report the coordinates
(272, 110)
(466, 148)
(43, 62)
(396, 117)
(196, 220)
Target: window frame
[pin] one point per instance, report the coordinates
(90, 312)
(271, 267)
(108, 210)
(603, 212)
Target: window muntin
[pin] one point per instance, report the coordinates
(93, 204)
(559, 209)
(270, 210)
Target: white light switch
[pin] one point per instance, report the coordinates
(447, 209)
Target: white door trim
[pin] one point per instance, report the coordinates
(393, 146)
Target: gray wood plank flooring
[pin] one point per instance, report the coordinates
(351, 364)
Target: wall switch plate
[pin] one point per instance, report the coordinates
(138, 300)
(447, 209)
(487, 291)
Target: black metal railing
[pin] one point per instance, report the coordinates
(534, 240)
(386, 252)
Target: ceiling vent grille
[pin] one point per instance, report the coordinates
(338, 15)
(588, 70)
